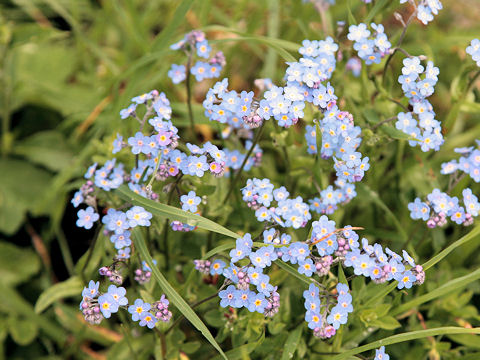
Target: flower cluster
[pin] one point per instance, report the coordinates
(371, 46)
(439, 206)
(96, 306)
(195, 43)
(373, 262)
(417, 84)
(425, 9)
(323, 319)
(474, 50)
(469, 162)
(331, 197)
(260, 196)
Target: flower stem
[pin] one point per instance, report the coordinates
(239, 172)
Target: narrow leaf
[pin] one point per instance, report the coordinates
(447, 288)
(378, 6)
(67, 288)
(171, 293)
(171, 212)
(292, 343)
(395, 339)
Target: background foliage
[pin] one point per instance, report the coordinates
(68, 67)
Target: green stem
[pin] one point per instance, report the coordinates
(189, 95)
(90, 249)
(65, 250)
(239, 172)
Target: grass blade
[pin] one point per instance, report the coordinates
(447, 288)
(171, 212)
(292, 343)
(412, 335)
(171, 293)
(378, 6)
(178, 17)
(463, 240)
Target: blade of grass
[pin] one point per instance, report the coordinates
(447, 288)
(171, 293)
(178, 17)
(171, 212)
(378, 6)
(412, 335)
(292, 343)
(470, 236)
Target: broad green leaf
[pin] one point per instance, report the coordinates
(173, 213)
(395, 339)
(23, 331)
(171, 293)
(47, 148)
(17, 264)
(61, 290)
(386, 322)
(292, 343)
(446, 289)
(11, 302)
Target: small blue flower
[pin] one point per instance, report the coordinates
(92, 290)
(228, 296)
(257, 303)
(137, 215)
(138, 309)
(177, 73)
(190, 201)
(87, 217)
(147, 319)
(118, 294)
(338, 316)
(77, 199)
(217, 267)
(108, 305)
(405, 279)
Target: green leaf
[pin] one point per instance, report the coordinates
(17, 264)
(463, 240)
(293, 272)
(446, 289)
(47, 148)
(241, 352)
(173, 213)
(395, 339)
(178, 17)
(61, 290)
(171, 293)
(11, 302)
(23, 331)
(341, 274)
(351, 18)
(386, 322)
(378, 6)
(394, 133)
(292, 343)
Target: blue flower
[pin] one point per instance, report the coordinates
(115, 221)
(139, 143)
(314, 319)
(217, 267)
(77, 199)
(405, 279)
(177, 73)
(138, 309)
(228, 296)
(121, 240)
(92, 290)
(107, 304)
(257, 303)
(87, 217)
(338, 316)
(306, 267)
(380, 354)
(137, 215)
(147, 319)
(125, 113)
(118, 294)
(190, 201)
